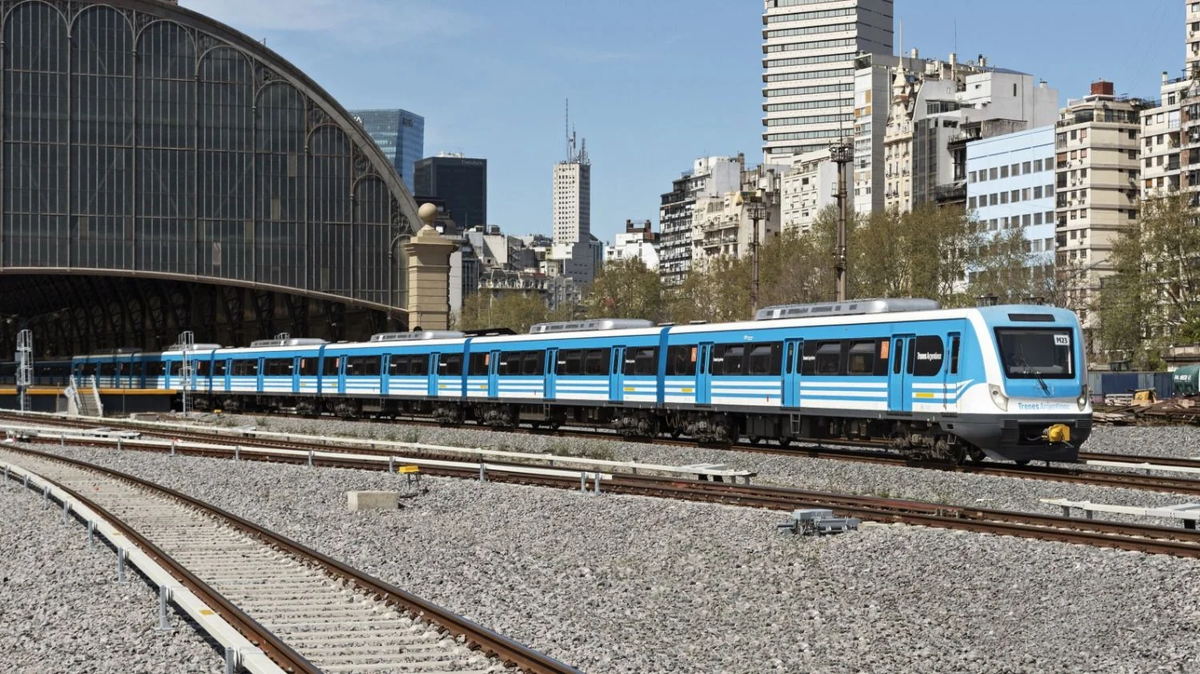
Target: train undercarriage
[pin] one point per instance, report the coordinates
(919, 440)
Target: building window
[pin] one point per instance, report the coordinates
(1025, 168)
(1037, 165)
(992, 173)
(1004, 197)
(1016, 169)
(1037, 192)
(971, 203)
(972, 177)
(1026, 220)
(1037, 218)
(1004, 171)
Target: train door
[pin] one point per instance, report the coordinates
(494, 375)
(793, 354)
(900, 379)
(296, 373)
(432, 369)
(551, 373)
(950, 372)
(616, 380)
(704, 374)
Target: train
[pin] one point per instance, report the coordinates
(999, 382)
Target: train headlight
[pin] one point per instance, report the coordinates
(998, 397)
(1082, 400)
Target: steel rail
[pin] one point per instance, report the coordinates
(492, 643)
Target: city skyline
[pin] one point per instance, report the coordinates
(651, 99)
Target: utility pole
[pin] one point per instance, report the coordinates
(842, 154)
(24, 368)
(757, 212)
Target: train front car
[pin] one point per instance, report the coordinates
(1035, 405)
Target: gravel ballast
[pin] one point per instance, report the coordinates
(631, 584)
(793, 471)
(63, 611)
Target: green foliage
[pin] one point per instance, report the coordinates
(1153, 297)
(627, 289)
(507, 310)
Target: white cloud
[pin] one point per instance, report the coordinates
(364, 24)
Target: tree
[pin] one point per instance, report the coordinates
(514, 310)
(1007, 269)
(1153, 296)
(627, 289)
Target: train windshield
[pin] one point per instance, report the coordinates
(1036, 354)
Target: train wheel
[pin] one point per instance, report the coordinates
(753, 439)
(976, 454)
(785, 441)
(1023, 462)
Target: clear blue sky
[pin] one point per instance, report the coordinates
(652, 85)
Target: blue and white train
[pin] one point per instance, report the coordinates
(1007, 382)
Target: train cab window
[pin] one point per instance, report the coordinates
(860, 358)
(681, 361)
(569, 363)
(419, 366)
(641, 362)
(277, 367)
(362, 366)
(765, 359)
(479, 364)
(531, 363)
(595, 362)
(308, 367)
(954, 346)
(450, 365)
(331, 366)
(219, 368)
(245, 368)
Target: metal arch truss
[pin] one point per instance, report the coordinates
(75, 315)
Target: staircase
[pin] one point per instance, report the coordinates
(84, 403)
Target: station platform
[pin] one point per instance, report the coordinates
(115, 400)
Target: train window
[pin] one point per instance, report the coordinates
(362, 366)
(201, 368)
(569, 363)
(531, 363)
(595, 362)
(681, 361)
(896, 357)
(881, 362)
(331, 366)
(829, 358)
(765, 359)
(308, 367)
(790, 361)
(510, 364)
(245, 368)
(860, 358)
(219, 368)
(420, 365)
(450, 365)
(154, 368)
(641, 362)
(478, 367)
(108, 369)
(175, 366)
(929, 355)
(278, 367)
(911, 356)
(954, 342)
(398, 366)
(728, 359)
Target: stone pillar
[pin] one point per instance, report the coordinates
(428, 275)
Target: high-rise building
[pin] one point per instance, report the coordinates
(571, 253)
(1097, 151)
(1193, 37)
(709, 176)
(399, 133)
(1010, 185)
(809, 51)
(461, 182)
(1162, 129)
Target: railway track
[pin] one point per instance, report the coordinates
(307, 611)
(1151, 539)
(1064, 474)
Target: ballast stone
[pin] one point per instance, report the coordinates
(372, 500)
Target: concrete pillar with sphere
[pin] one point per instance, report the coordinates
(428, 275)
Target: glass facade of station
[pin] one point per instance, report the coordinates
(139, 137)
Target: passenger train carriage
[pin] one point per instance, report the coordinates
(1006, 382)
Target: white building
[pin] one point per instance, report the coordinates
(573, 213)
(724, 224)
(809, 51)
(807, 189)
(1010, 185)
(709, 176)
(1161, 140)
(638, 241)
